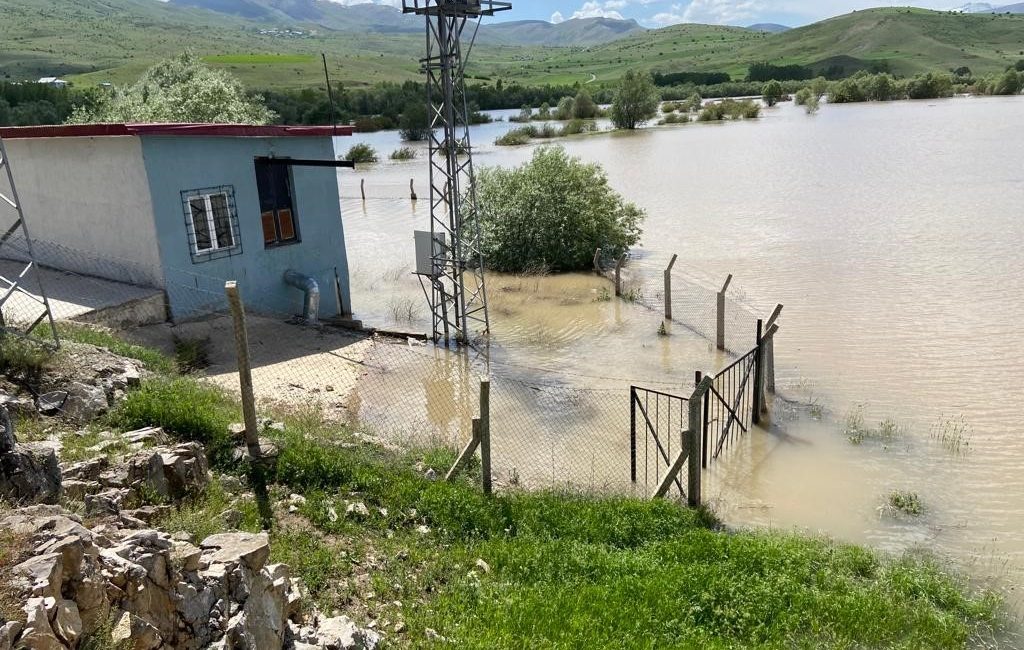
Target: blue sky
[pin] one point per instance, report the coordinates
(659, 13)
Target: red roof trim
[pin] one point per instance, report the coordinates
(208, 130)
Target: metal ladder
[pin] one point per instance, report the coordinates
(13, 251)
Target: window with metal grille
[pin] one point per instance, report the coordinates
(212, 223)
(277, 208)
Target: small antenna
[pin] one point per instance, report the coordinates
(330, 94)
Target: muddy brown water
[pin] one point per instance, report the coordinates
(891, 232)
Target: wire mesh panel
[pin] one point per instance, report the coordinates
(552, 436)
(658, 424)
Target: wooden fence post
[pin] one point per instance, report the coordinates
(757, 405)
(618, 274)
(485, 434)
(252, 440)
(362, 187)
(668, 288)
(720, 313)
(412, 190)
(597, 261)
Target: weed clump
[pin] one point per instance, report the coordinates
(361, 153)
(403, 153)
(906, 502)
(953, 433)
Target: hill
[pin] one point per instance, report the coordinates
(277, 43)
(1012, 9)
(577, 31)
(905, 41)
(771, 28)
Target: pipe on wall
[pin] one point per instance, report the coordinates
(309, 286)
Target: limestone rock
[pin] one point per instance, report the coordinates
(357, 510)
(140, 634)
(87, 470)
(42, 575)
(340, 633)
(84, 402)
(51, 403)
(231, 548)
(9, 631)
(38, 634)
(67, 624)
(30, 473)
(7, 439)
(76, 490)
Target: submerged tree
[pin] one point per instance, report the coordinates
(636, 100)
(552, 213)
(413, 125)
(772, 92)
(181, 89)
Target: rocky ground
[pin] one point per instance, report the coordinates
(82, 557)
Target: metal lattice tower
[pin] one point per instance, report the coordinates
(21, 311)
(457, 295)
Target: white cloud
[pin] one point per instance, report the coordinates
(716, 12)
(615, 4)
(557, 17)
(596, 10)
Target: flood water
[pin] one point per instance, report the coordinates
(892, 235)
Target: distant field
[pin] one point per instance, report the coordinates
(91, 42)
(258, 59)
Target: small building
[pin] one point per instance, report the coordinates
(53, 81)
(185, 207)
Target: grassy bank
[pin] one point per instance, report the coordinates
(436, 563)
(440, 563)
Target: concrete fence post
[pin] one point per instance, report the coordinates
(720, 315)
(769, 350)
(618, 274)
(244, 370)
(695, 427)
(668, 288)
(485, 435)
(362, 187)
(412, 190)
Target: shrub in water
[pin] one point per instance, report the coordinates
(403, 153)
(555, 210)
(362, 153)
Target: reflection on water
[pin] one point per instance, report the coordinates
(892, 234)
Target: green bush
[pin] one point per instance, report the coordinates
(553, 211)
(183, 406)
(802, 96)
(566, 109)
(675, 118)
(515, 137)
(413, 125)
(361, 153)
(577, 126)
(403, 153)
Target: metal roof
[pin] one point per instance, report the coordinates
(208, 130)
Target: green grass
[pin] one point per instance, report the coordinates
(564, 570)
(570, 570)
(259, 59)
(153, 360)
(184, 407)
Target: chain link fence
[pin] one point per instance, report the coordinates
(550, 427)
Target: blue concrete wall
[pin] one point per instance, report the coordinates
(175, 164)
